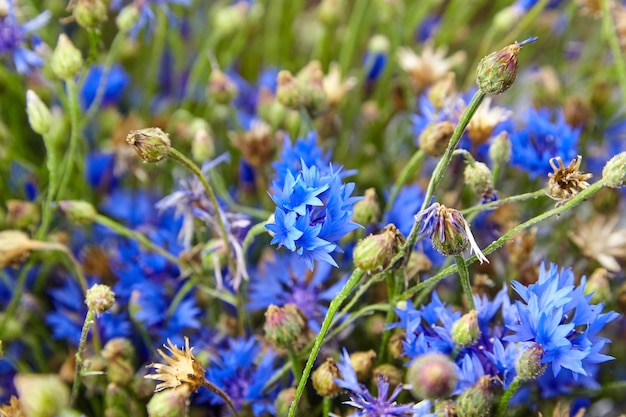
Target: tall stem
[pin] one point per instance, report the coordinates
(70, 157)
(155, 59)
(296, 367)
(506, 397)
(354, 279)
(409, 170)
(465, 280)
(610, 33)
(79, 354)
(52, 163)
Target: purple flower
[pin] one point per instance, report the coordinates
(13, 35)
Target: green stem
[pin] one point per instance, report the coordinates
(391, 296)
(410, 169)
(79, 354)
(71, 157)
(256, 230)
(354, 279)
(188, 163)
(52, 163)
(180, 295)
(608, 28)
(498, 203)
(326, 405)
(357, 17)
(465, 280)
(506, 397)
(199, 68)
(218, 391)
(296, 366)
(158, 47)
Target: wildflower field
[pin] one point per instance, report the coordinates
(302, 208)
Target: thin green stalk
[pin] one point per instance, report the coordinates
(256, 230)
(391, 296)
(273, 36)
(498, 203)
(199, 68)
(52, 163)
(410, 169)
(506, 397)
(188, 163)
(355, 29)
(89, 318)
(218, 391)
(354, 279)
(16, 296)
(71, 157)
(326, 405)
(465, 280)
(608, 29)
(158, 46)
(296, 366)
(180, 295)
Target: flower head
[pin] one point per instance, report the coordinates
(13, 35)
(181, 369)
(564, 183)
(599, 238)
(429, 67)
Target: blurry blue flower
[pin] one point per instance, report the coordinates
(147, 17)
(285, 279)
(241, 370)
(304, 150)
(383, 405)
(427, 28)
(545, 135)
(247, 100)
(12, 37)
(470, 370)
(113, 87)
(100, 171)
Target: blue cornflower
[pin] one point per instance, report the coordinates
(470, 370)
(558, 317)
(383, 405)
(241, 370)
(146, 14)
(285, 279)
(293, 155)
(113, 87)
(545, 135)
(100, 171)
(12, 37)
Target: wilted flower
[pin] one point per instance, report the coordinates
(564, 183)
(485, 120)
(599, 239)
(431, 66)
(181, 369)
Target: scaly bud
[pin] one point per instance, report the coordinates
(127, 18)
(66, 60)
(284, 325)
(392, 374)
(528, 365)
(476, 401)
(396, 347)
(169, 403)
(375, 252)
(100, 298)
(465, 331)
(367, 210)
(41, 395)
(500, 149)
(363, 362)
(614, 172)
(435, 137)
(117, 401)
(78, 211)
(497, 71)
(432, 376)
(283, 402)
(90, 14)
(38, 113)
(22, 214)
(324, 379)
(479, 178)
(221, 88)
(290, 92)
(151, 144)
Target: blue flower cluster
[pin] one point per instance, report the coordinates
(313, 206)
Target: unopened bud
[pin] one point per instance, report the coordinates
(598, 285)
(367, 210)
(284, 325)
(78, 211)
(435, 137)
(283, 402)
(128, 18)
(614, 172)
(22, 214)
(117, 401)
(100, 298)
(41, 395)
(465, 331)
(479, 178)
(150, 144)
(497, 71)
(221, 88)
(90, 14)
(476, 401)
(330, 11)
(528, 365)
(202, 145)
(169, 403)
(66, 61)
(290, 92)
(363, 362)
(396, 344)
(324, 379)
(500, 149)
(392, 374)
(375, 252)
(39, 116)
(442, 90)
(432, 376)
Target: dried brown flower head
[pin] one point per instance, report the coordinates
(598, 239)
(565, 182)
(13, 409)
(181, 369)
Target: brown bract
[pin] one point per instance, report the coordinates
(181, 369)
(565, 182)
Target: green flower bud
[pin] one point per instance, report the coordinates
(22, 214)
(330, 11)
(435, 137)
(66, 61)
(324, 379)
(100, 298)
(221, 88)
(367, 210)
(78, 211)
(446, 408)
(375, 252)
(529, 366)
(229, 19)
(290, 92)
(479, 178)
(169, 403)
(214, 255)
(500, 149)
(476, 401)
(284, 325)
(127, 18)
(283, 402)
(38, 113)
(117, 401)
(378, 44)
(90, 14)
(363, 362)
(151, 144)
(614, 172)
(119, 354)
(432, 376)
(202, 145)
(118, 347)
(41, 395)
(392, 374)
(465, 331)
(396, 347)
(143, 388)
(598, 285)
(497, 71)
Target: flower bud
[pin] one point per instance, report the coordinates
(432, 376)
(479, 178)
(500, 149)
(66, 60)
(283, 402)
(119, 354)
(229, 19)
(127, 18)
(614, 172)
(330, 11)
(497, 71)
(78, 211)
(90, 14)
(22, 214)
(362, 363)
(367, 210)
(375, 252)
(169, 403)
(290, 92)
(214, 255)
(435, 137)
(202, 145)
(598, 285)
(442, 90)
(117, 401)
(39, 116)
(41, 395)
(100, 298)
(221, 88)
(324, 379)
(476, 401)
(151, 144)
(528, 365)
(284, 325)
(392, 374)
(118, 347)
(396, 347)
(465, 331)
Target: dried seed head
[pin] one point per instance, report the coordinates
(565, 182)
(181, 369)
